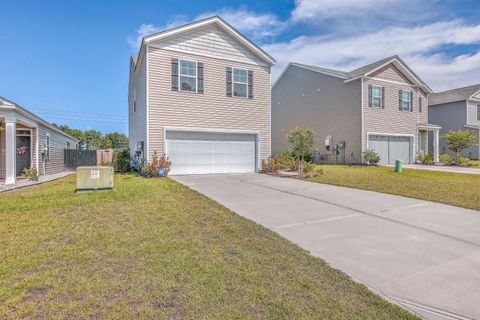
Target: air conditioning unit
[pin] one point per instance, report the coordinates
(94, 178)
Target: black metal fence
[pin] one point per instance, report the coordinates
(74, 158)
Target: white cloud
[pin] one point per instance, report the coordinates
(256, 25)
(148, 29)
(309, 9)
(414, 44)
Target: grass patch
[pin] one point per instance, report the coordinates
(451, 188)
(156, 249)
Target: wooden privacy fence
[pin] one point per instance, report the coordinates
(74, 158)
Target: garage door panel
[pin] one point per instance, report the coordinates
(202, 153)
(391, 148)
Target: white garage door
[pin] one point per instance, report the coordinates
(391, 148)
(203, 153)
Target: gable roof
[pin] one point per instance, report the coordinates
(32, 116)
(453, 95)
(218, 22)
(365, 71)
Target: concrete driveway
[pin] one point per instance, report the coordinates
(422, 255)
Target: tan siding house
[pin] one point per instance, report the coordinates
(382, 106)
(203, 99)
(27, 141)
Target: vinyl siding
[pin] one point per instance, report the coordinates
(472, 113)
(391, 120)
(304, 98)
(58, 143)
(451, 117)
(211, 110)
(137, 121)
(209, 41)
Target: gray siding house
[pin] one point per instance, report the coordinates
(200, 94)
(27, 141)
(381, 106)
(457, 109)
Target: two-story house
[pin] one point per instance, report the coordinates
(457, 109)
(381, 106)
(200, 94)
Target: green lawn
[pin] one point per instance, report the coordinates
(461, 190)
(156, 249)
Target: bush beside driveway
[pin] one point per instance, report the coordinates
(157, 249)
(462, 190)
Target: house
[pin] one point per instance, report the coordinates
(27, 141)
(200, 93)
(381, 106)
(457, 109)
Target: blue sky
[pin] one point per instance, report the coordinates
(68, 60)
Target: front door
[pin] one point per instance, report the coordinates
(23, 154)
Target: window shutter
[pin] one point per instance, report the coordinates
(419, 104)
(400, 100)
(250, 84)
(200, 77)
(383, 97)
(174, 74)
(370, 94)
(229, 81)
(411, 101)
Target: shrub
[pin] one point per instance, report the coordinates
(158, 168)
(307, 167)
(31, 173)
(457, 141)
(288, 161)
(446, 159)
(371, 157)
(465, 162)
(314, 174)
(122, 161)
(272, 165)
(426, 158)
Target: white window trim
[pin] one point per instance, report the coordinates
(410, 94)
(180, 75)
(47, 145)
(245, 83)
(373, 96)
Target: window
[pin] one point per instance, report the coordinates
(188, 75)
(377, 96)
(405, 100)
(134, 100)
(240, 82)
(68, 145)
(478, 112)
(419, 104)
(47, 147)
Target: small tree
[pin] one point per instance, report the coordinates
(457, 141)
(301, 140)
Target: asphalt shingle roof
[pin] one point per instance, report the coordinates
(453, 95)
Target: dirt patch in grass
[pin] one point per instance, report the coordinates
(156, 249)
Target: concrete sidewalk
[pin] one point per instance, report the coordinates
(422, 255)
(451, 169)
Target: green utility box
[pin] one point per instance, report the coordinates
(398, 166)
(94, 178)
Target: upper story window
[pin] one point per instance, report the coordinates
(377, 96)
(406, 100)
(134, 100)
(240, 82)
(478, 112)
(188, 75)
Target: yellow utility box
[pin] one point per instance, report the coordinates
(94, 178)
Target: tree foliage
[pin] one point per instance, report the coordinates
(301, 140)
(457, 141)
(93, 139)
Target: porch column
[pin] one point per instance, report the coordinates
(436, 146)
(10, 150)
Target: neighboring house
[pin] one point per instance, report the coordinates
(200, 93)
(27, 141)
(457, 109)
(381, 106)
